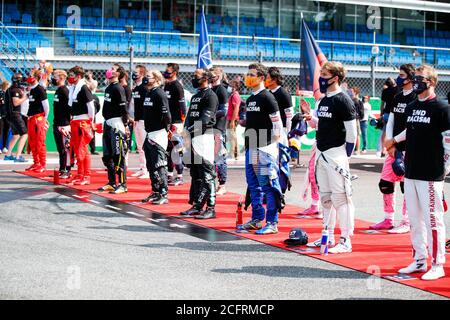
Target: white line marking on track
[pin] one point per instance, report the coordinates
(94, 201)
(135, 214)
(79, 197)
(112, 207)
(176, 225)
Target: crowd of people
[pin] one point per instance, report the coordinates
(170, 136)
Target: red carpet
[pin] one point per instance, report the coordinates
(380, 254)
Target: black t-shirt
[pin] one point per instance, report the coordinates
(36, 96)
(2, 104)
(221, 119)
(359, 108)
(387, 95)
(61, 109)
(398, 110)
(12, 92)
(177, 104)
(156, 112)
(203, 108)
(128, 94)
(425, 122)
(79, 106)
(284, 102)
(139, 93)
(332, 113)
(258, 109)
(115, 103)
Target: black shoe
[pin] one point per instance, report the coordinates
(107, 187)
(193, 211)
(162, 199)
(209, 213)
(151, 197)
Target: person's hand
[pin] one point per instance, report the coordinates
(305, 106)
(46, 125)
(391, 151)
(232, 124)
(389, 143)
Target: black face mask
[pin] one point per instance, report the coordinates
(54, 82)
(167, 75)
(195, 82)
(134, 76)
(418, 85)
(145, 80)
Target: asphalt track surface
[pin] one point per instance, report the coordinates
(54, 246)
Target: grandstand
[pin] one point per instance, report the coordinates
(240, 31)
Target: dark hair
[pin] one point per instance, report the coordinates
(77, 70)
(141, 68)
(357, 90)
(175, 67)
(260, 69)
(206, 75)
(120, 70)
(275, 74)
(409, 69)
(389, 82)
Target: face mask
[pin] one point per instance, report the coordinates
(252, 82)
(109, 73)
(134, 76)
(267, 83)
(145, 81)
(418, 85)
(229, 89)
(167, 75)
(323, 84)
(71, 80)
(195, 82)
(401, 81)
(30, 80)
(54, 82)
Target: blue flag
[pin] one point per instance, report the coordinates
(312, 59)
(204, 52)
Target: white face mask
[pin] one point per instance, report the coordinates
(230, 89)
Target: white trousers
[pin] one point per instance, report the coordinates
(426, 215)
(140, 135)
(335, 190)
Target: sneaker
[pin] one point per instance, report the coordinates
(318, 243)
(151, 197)
(107, 187)
(145, 175)
(253, 224)
(364, 151)
(31, 168)
(138, 173)
(176, 182)
(83, 181)
(209, 213)
(269, 228)
(9, 158)
(313, 210)
(162, 199)
(436, 272)
(193, 211)
(386, 224)
(170, 179)
(416, 266)
(76, 179)
(65, 175)
(344, 246)
(221, 190)
(404, 227)
(20, 159)
(38, 169)
(120, 189)
(5, 150)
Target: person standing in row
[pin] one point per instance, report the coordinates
(220, 128)
(199, 123)
(82, 107)
(61, 121)
(37, 121)
(92, 84)
(137, 113)
(115, 131)
(427, 124)
(234, 104)
(156, 115)
(177, 104)
(364, 122)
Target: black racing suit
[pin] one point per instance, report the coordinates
(61, 118)
(203, 109)
(114, 138)
(156, 118)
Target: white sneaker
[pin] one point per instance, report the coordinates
(436, 272)
(221, 190)
(5, 150)
(318, 242)
(416, 266)
(404, 227)
(138, 173)
(344, 246)
(144, 175)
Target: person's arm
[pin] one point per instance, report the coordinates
(236, 101)
(122, 102)
(446, 145)
(222, 108)
(131, 109)
(181, 100)
(210, 110)
(167, 118)
(350, 136)
(46, 107)
(390, 127)
(277, 124)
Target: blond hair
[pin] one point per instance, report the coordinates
(157, 75)
(5, 85)
(60, 72)
(336, 69)
(430, 72)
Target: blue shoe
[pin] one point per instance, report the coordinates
(269, 228)
(9, 158)
(20, 159)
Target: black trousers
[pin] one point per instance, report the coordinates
(63, 147)
(203, 184)
(114, 152)
(156, 161)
